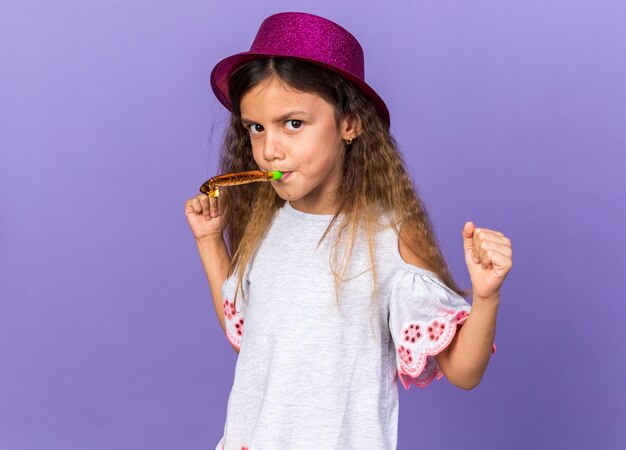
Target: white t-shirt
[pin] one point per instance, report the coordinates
(314, 374)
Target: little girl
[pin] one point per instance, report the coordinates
(332, 286)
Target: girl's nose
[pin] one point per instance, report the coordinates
(271, 147)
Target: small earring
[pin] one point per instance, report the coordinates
(349, 141)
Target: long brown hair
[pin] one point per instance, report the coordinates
(249, 209)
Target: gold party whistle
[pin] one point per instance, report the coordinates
(211, 187)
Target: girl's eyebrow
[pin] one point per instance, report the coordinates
(278, 120)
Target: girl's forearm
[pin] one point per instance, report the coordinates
(216, 261)
(470, 353)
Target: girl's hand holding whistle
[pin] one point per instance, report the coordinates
(204, 215)
(205, 210)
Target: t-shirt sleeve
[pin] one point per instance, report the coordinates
(423, 317)
(234, 318)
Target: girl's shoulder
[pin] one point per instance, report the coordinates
(393, 251)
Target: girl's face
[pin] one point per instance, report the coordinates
(295, 132)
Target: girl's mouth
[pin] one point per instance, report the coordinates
(285, 176)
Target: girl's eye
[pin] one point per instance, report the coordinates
(252, 126)
(296, 124)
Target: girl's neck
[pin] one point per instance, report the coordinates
(323, 209)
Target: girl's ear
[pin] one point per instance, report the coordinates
(351, 126)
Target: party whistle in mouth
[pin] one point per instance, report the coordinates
(211, 187)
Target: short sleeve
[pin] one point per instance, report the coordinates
(234, 319)
(423, 317)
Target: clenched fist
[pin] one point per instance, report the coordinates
(489, 258)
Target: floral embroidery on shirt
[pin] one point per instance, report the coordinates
(461, 316)
(230, 313)
(412, 333)
(405, 355)
(234, 323)
(229, 309)
(239, 326)
(435, 330)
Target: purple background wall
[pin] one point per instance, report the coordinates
(511, 114)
